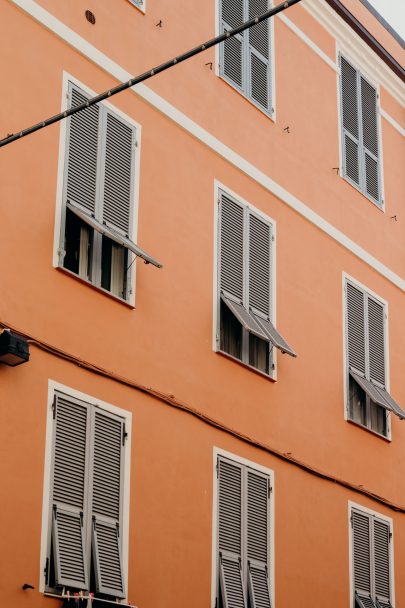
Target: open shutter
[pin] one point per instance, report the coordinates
(350, 120)
(107, 468)
(230, 534)
(370, 138)
(259, 54)
(355, 323)
(82, 153)
(231, 247)
(232, 51)
(361, 557)
(69, 487)
(375, 315)
(119, 159)
(382, 562)
(258, 531)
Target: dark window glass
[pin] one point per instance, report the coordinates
(231, 333)
(258, 354)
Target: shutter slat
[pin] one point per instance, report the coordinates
(376, 340)
(259, 34)
(259, 264)
(258, 530)
(118, 173)
(232, 50)
(259, 587)
(107, 465)
(364, 601)
(369, 116)
(233, 595)
(348, 84)
(356, 337)
(69, 549)
(231, 247)
(361, 551)
(107, 558)
(82, 153)
(382, 559)
(230, 508)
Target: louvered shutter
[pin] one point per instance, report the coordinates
(82, 153)
(376, 342)
(370, 138)
(355, 327)
(361, 525)
(350, 120)
(259, 265)
(107, 468)
(69, 491)
(258, 534)
(119, 158)
(259, 54)
(364, 602)
(382, 562)
(231, 247)
(232, 51)
(230, 534)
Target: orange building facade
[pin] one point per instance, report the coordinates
(221, 426)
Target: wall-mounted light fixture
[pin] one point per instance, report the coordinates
(14, 349)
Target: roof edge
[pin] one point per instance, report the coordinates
(368, 38)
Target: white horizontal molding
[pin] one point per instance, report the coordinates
(156, 101)
(392, 122)
(364, 56)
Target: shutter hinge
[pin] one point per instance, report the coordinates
(272, 238)
(217, 469)
(46, 571)
(270, 490)
(351, 520)
(124, 434)
(390, 536)
(118, 529)
(81, 518)
(54, 407)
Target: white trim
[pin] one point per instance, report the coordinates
(294, 28)
(127, 416)
(66, 78)
(258, 467)
(345, 279)
(390, 522)
(217, 187)
(139, 4)
(365, 56)
(100, 59)
(392, 122)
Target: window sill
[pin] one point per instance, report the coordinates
(271, 377)
(95, 287)
(270, 116)
(386, 438)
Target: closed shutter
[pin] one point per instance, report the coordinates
(259, 54)
(370, 138)
(350, 120)
(356, 328)
(107, 461)
(69, 491)
(230, 534)
(258, 530)
(382, 562)
(82, 153)
(119, 158)
(232, 50)
(259, 265)
(361, 553)
(375, 314)
(231, 247)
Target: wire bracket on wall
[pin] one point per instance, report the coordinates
(337, 169)
(159, 24)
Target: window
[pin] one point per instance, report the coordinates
(243, 540)
(371, 555)
(245, 276)
(98, 197)
(86, 496)
(368, 398)
(245, 58)
(361, 155)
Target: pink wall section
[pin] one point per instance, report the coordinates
(166, 341)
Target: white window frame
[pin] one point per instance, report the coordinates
(270, 114)
(345, 279)
(53, 387)
(218, 187)
(357, 65)
(59, 213)
(215, 562)
(388, 520)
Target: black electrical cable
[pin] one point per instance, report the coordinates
(146, 75)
